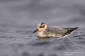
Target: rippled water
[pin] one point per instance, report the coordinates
(18, 19)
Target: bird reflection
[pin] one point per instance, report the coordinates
(44, 38)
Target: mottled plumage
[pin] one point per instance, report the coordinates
(47, 31)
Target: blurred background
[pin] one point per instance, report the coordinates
(18, 18)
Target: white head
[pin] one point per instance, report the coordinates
(41, 27)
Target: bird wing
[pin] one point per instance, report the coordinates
(56, 30)
(60, 30)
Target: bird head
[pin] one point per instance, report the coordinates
(41, 27)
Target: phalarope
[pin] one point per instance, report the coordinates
(46, 31)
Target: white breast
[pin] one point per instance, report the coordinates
(41, 34)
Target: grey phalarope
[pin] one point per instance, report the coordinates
(46, 31)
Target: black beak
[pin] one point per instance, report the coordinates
(35, 30)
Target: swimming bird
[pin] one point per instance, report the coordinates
(43, 30)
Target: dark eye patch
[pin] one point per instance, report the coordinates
(42, 26)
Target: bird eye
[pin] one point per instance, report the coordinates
(42, 26)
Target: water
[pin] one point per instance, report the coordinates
(18, 19)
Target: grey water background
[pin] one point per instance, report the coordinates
(18, 19)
